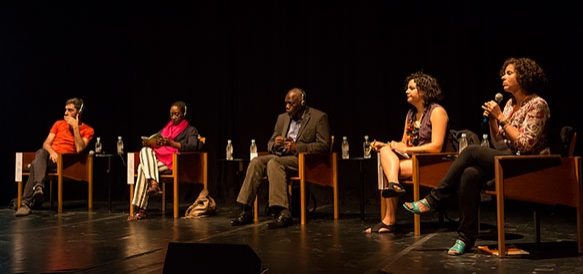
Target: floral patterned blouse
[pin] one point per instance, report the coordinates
(419, 132)
(531, 121)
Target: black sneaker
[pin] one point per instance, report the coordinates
(38, 195)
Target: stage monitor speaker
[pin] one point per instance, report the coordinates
(210, 258)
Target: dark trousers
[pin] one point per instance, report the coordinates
(38, 174)
(466, 179)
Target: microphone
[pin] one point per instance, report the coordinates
(498, 98)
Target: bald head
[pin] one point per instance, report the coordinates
(293, 102)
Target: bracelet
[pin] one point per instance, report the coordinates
(504, 123)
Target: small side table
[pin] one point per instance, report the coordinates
(361, 162)
(108, 172)
(227, 168)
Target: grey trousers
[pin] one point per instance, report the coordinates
(38, 174)
(275, 167)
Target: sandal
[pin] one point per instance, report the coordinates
(457, 249)
(140, 215)
(415, 209)
(391, 191)
(381, 227)
(154, 189)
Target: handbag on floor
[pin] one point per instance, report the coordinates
(203, 206)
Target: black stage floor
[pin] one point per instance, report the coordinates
(103, 241)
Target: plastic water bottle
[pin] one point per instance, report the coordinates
(252, 150)
(345, 148)
(119, 145)
(463, 143)
(366, 147)
(229, 150)
(98, 146)
(485, 142)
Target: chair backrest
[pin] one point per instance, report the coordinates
(568, 139)
(572, 144)
(201, 143)
(562, 140)
(452, 139)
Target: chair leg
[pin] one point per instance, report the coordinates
(255, 210)
(90, 194)
(536, 226)
(51, 201)
(131, 199)
(60, 195)
(500, 222)
(335, 185)
(383, 205)
(19, 196)
(163, 198)
(176, 198)
(303, 202)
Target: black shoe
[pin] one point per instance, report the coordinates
(37, 194)
(391, 191)
(243, 219)
(283, 220)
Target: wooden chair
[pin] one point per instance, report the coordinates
(543, 179)
(316, 168)
(428, 170)
(187, 168)
(74, 166)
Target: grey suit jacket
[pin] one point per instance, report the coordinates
(314, 133)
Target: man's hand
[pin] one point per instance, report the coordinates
(279, 141)
(54, 156)
(283, 146)
(289, 144)
(72, 121)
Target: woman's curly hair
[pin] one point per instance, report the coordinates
(428, 86)
(529, 75)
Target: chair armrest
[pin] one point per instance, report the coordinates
(430, 168)
(318, 167)
(312, 158)
(192, 166)
(76, 166)
(518, 165)
(75, 157)
(545, 179)
(428, 158)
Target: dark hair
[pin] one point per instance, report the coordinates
(181, 105)
(78, 102)
(431, 91)
(529, 75)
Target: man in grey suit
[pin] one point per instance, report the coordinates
(299, 129)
